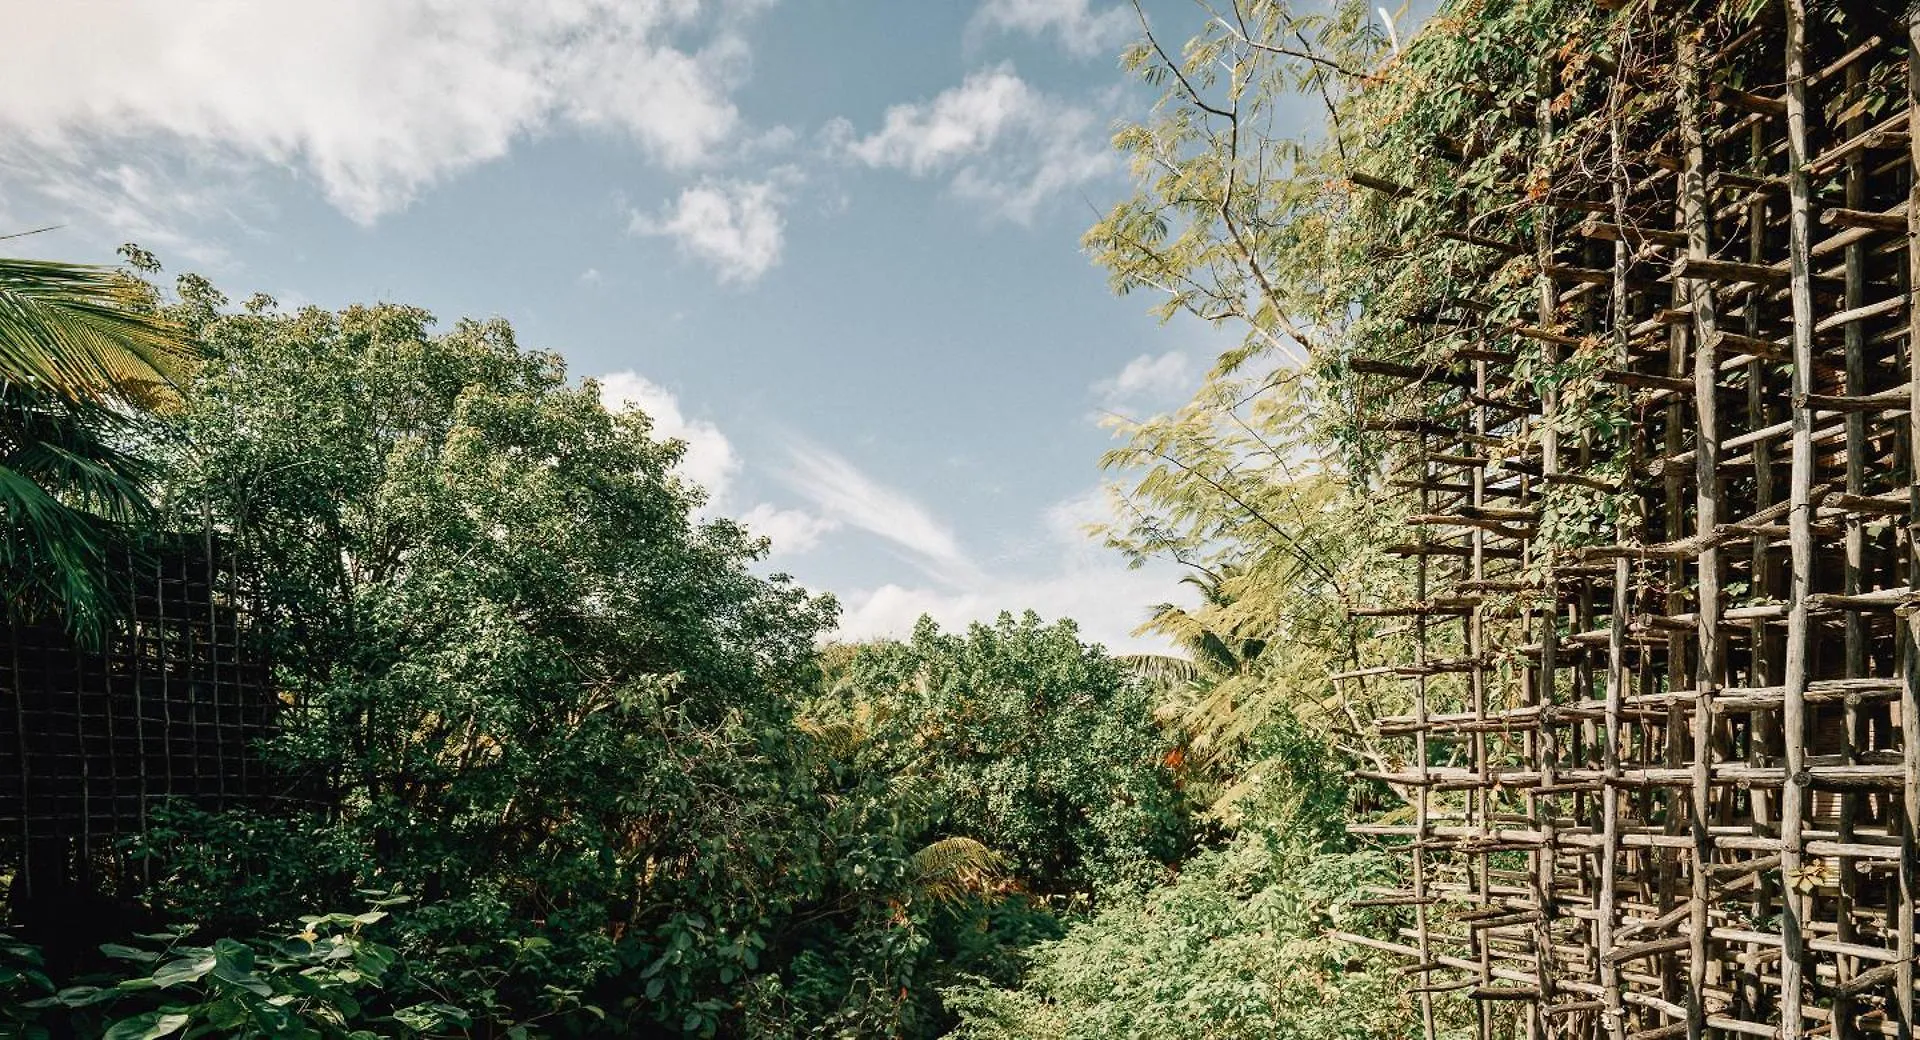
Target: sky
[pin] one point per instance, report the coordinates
(831, 244)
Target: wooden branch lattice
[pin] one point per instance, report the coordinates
(1666, 787)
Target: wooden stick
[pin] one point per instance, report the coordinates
(1800, 521)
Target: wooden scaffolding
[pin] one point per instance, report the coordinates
(1657, 752)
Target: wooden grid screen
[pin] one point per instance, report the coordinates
(171, 705)
(1664, 785)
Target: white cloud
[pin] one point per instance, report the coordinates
(1070, 576)
(374, 99)
(141, 200)
(792, 531)
(1066, 575)
(1006, 145)
(847, 496)
(710, 459)
(1149, 377)
(1078, 28)
(735, 227)
(961, 122)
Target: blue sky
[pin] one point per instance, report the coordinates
(833, 244)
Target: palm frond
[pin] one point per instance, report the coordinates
(952, 869)
(1162, 669)
(82, 354)
(87, 333)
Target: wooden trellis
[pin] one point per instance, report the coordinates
(1664, 785)
(171, 704)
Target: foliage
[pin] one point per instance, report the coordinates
(523, 682)
(322, 981)
(1281, 551)
(1021, 737)
(1232, 948)
(521, 679)
(980, 786)
(83, 355)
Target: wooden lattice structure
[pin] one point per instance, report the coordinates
(171, 703)
(1665, 785)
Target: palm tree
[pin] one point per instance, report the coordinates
(84, 357)
(1209, 654)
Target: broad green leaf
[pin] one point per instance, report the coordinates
(184, 969)
(149, 1026)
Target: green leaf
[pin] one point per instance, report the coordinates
(128, 953)
(82, 996)
(148, 1026)
(233, 963)
(184, 969)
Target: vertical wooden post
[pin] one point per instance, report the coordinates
(1478, 799)
(1910, 686)
(1421, 808)
(1617, 677)
(1853, 578)
(1545, 743)
(1706, 462)
(1800, 530)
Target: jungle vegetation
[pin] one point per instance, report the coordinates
(579, 767)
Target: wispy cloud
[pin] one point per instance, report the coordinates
(1003, 143)
(373, 99)
(1065, 575)
(1075, 25)
(792, 531)
(735, 227)
(144, 199)
(1147, 378)
(841, 492)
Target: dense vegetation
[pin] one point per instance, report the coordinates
(568, 763)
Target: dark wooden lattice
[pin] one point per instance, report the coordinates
(171, 704)
(1667, 785)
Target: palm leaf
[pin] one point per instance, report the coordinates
(87, 333)
(1162, 669)
(82, 354)
(951, 869)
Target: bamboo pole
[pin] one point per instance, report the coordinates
(1614, 1018)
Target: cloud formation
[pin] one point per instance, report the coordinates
(792, 531)
(1147, 378)
(847, 496)
(1003, 143)
(1066, 575)
(710, 460)
(1075, 26)
(1062, 574)
(375, 100)
(734, 227)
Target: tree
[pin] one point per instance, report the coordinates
(522, 682)
(1041, 747)
(1232, 948)
(83, 355)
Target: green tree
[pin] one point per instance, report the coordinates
(521, 681)
(1041, 747)
(1231, 949)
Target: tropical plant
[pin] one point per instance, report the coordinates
(1234, 947)
(83, 354)
(520, 677)
(323, 979)
(1040, 747)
